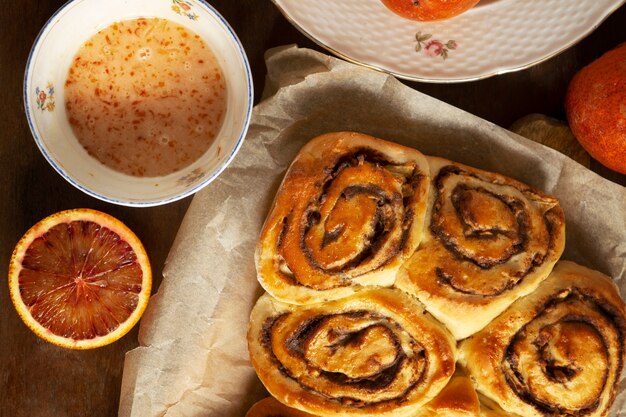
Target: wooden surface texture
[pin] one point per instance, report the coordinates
(41, 380)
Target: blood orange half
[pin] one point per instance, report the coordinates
(80, 279)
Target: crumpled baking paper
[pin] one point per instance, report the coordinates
(193, 359)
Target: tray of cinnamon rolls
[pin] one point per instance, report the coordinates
(400, 284)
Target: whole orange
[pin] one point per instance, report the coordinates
(429, 9)
(596, 108)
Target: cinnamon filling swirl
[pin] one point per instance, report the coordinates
(354, 359)
(489, 226)
(349, 212)
(560, 361)
(375, 352)
(357, 221)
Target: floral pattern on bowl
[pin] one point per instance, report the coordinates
(434, 47)
(45, 98)
(184, 8)
(191, 178)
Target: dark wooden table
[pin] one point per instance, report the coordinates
(38, 379)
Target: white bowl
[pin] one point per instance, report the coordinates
(47, 69)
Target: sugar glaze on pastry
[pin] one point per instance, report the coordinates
(556, 352)
(375, 353)
(348, 213)
(489, 240)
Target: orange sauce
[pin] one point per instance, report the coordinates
(145, 97)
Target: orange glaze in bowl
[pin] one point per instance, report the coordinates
(145, 97)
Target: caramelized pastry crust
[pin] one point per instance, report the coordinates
(457, 399)
(460, 399)
(489, 241)
(556, 352)
(375, 353)
(348, 213)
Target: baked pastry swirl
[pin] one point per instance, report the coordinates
(348, 213)
(375, 353)
(489, 241)
(556, 352)
(270, 407)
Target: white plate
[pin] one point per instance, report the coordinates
(495, 37)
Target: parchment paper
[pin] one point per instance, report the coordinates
(193, 359)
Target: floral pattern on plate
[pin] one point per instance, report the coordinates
(434, 47)
(494, 37)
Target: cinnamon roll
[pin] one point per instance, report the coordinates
(556, 352)
(488, 241)
(376, 352)
(270, 407)
(348, 213)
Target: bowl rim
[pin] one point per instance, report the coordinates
(154, 202)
